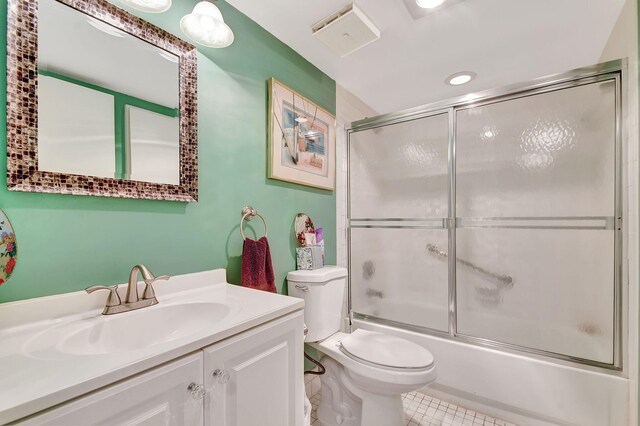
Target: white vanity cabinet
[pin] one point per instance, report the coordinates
(258, 382)
(157, 397)
(256, 378)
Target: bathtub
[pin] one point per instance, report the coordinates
(521, 388)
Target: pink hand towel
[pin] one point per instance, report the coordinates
(257, 270)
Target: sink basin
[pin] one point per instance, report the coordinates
(142, 328)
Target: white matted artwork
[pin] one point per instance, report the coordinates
(301, 139)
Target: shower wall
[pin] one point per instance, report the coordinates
(496, 223)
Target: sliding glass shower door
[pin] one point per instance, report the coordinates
(535, 185)
(496, 222)
(398, 207)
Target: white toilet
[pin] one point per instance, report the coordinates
(367, 372)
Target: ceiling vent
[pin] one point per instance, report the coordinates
(346, 31)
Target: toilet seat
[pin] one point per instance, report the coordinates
(376, 378)
(386, 351)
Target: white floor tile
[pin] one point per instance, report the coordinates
(424, 410)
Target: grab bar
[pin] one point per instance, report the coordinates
(504, 279)
(375, 293)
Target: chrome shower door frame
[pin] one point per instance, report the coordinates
(613, 70)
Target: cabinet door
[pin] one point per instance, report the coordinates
(256, 378)
(157, 397)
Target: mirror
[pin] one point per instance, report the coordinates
(111, 105)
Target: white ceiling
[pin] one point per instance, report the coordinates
(69, 45)
(503, 41)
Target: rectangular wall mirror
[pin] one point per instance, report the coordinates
(100, 102)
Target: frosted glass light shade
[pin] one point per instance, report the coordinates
(206, 26)
(151, 6)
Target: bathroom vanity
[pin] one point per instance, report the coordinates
(209, 353)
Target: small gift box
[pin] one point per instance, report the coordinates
(309, 257)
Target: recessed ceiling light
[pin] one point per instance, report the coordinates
(429, 4)
(488, 133)
(460, 78)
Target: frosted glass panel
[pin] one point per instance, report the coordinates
(395, 276)
(153, 146)
(400, 171)
(550, 154)
(75, 129)
(561, 298)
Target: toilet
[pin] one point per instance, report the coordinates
(366, 372)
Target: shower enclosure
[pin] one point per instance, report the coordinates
(496, 219)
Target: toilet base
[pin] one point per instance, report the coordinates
(379, 410)
(342, 403)
(338, 406)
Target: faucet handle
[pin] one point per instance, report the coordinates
(149, 292)
(114, 297)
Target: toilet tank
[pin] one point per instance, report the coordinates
(323, 291)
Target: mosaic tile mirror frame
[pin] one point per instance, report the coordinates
(23, 173)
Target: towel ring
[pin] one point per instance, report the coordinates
(249, 213)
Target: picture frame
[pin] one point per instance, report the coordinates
(301, 139)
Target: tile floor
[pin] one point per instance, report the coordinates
(315, 400)
(423, 410)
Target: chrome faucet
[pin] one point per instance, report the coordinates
(132, 301)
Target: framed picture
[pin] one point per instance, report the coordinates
(302, 139)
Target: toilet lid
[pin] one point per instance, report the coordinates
(385, 350)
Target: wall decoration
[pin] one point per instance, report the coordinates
(303, 225)
(8, 249)
(301, 139)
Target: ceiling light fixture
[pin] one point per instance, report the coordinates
(488, 133)
(460, 78)
(168, 56)
(429, 4)
(150, 6)
(104, 27)
(206, 26)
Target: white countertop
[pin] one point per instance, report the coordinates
(35, 376)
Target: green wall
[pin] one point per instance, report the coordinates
(67, 243)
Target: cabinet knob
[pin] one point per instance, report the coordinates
(197, 391)
(222, 376)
